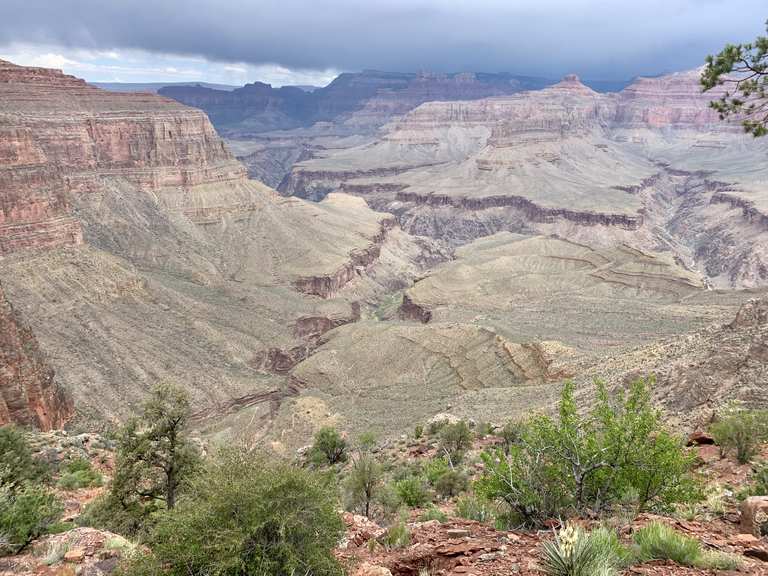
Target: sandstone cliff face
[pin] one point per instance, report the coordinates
(29, 393)
(59, 137)
(671, 101)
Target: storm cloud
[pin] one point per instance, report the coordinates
(597, 38)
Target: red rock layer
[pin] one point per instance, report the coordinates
(329, 285)
(59, 137)
(29, 395)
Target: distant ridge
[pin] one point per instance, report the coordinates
(154, 87)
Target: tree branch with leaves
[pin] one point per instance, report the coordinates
(741, 70)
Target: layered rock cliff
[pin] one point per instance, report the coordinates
(60, 136)
(29, 393)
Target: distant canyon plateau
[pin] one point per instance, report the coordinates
(374, 252)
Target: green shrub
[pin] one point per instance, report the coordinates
(658, 541)
(433, 513)
(366, 442)
(412, 492)
(484, 429)
(455, 439)
(329, 447)
(245, 514)
(451, 483)
(418, 431)
(573, 552)
(587, 463)
(60, 527)
(437, 426)
(25, 514)
(473, 507)
(741, 432)
(17, 465)
(389, 502)
(510, 434)
(363, 484)
(435, 468)
(758, 485)
(396, 536)
(714, 560)
(129, 517)
(79, 473)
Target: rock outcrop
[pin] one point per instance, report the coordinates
(29, 393)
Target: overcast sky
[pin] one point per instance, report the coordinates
(310, 41)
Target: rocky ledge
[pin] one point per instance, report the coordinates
(329, 285)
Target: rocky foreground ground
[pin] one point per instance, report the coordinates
(454, 546)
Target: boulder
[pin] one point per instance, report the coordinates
(754, 516)
(699, 438)
(757, 552)
(366, 569)
(75, 555)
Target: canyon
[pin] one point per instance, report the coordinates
(630, 167)
(439, 243)
(138, 252)
(270, 129)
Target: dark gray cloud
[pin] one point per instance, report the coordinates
(596, 38)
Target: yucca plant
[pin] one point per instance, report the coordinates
(573, 552)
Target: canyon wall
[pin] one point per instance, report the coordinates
(29, 393)
(60, 136)
(637, 166)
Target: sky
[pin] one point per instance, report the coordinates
(311, 41)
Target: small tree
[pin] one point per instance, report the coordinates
(329, 447)
(245, 514)
(26, 507)
(364, 483)
(154, 453)
(743, 68)
(455, 439)
(17, 465)
(154, 459)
